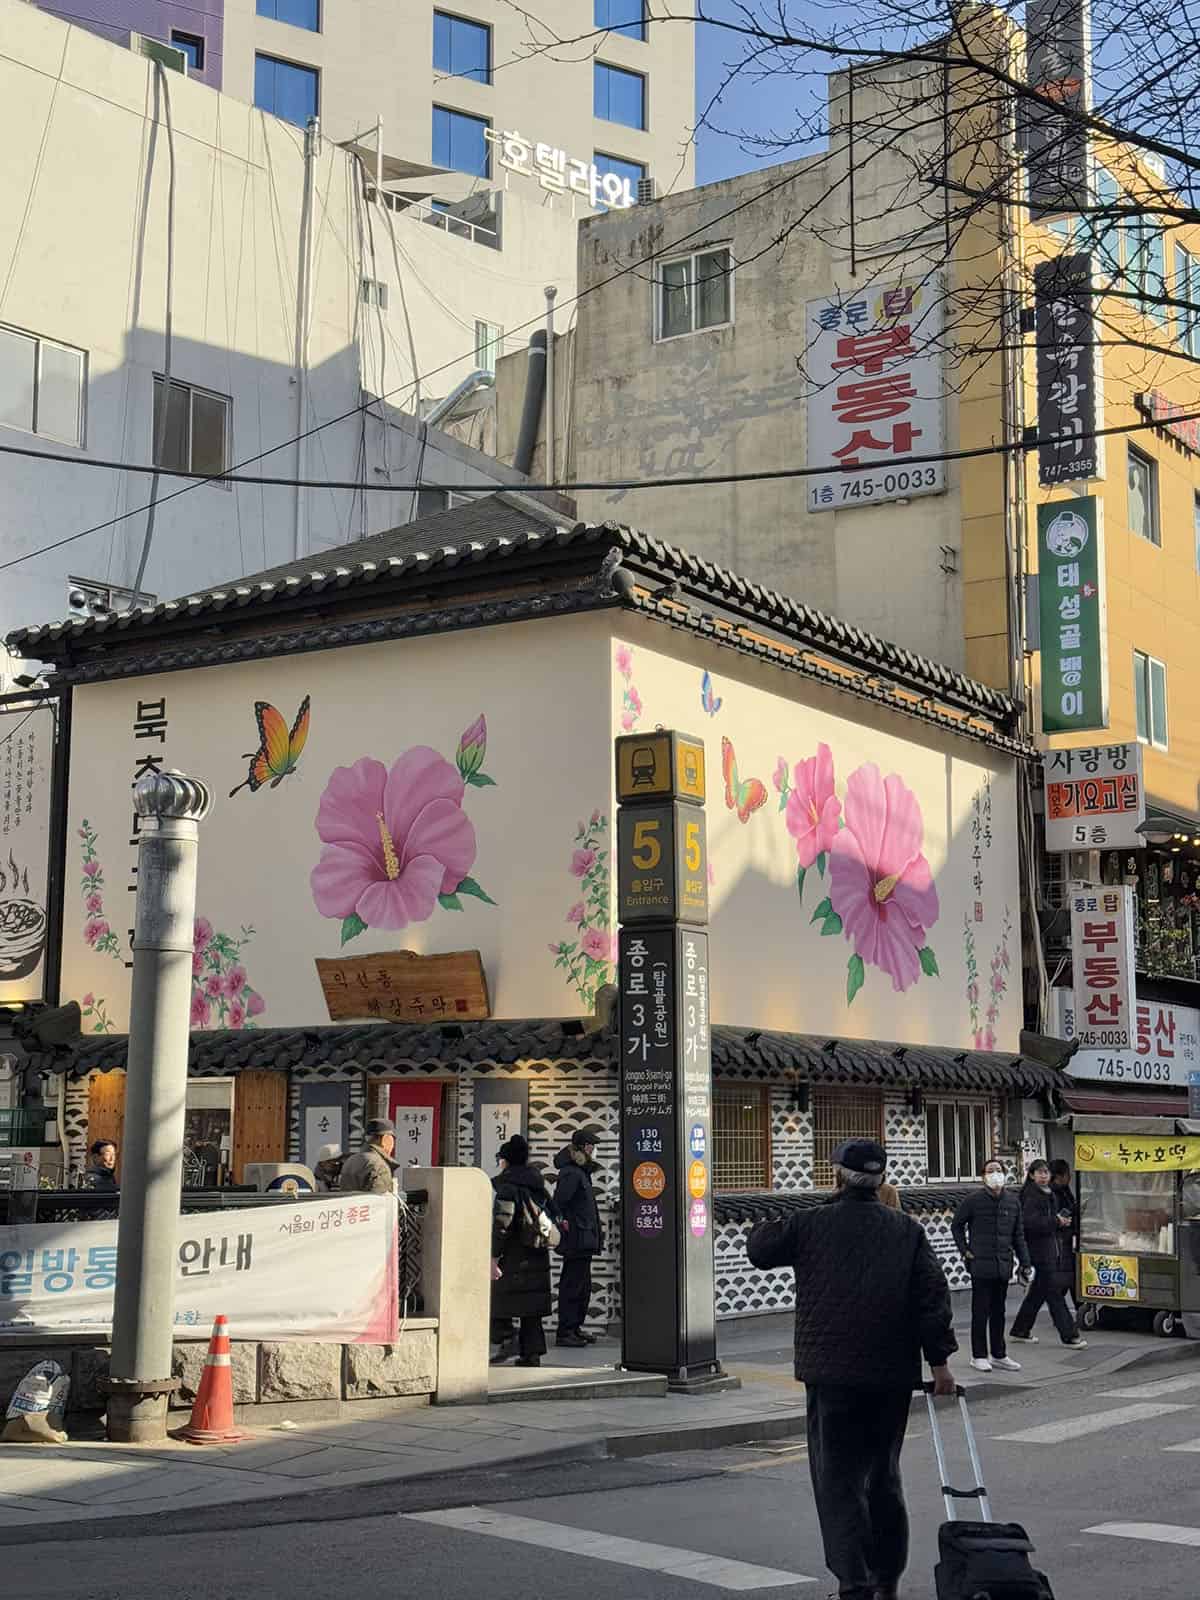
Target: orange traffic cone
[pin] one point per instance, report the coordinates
(212, 1414)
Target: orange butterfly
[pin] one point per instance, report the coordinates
(278, 751)
(744, 798)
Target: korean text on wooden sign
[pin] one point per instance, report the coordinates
(398, 986)
(874, 363)
(1102, 960)
(1095, 798)
(1072, 614)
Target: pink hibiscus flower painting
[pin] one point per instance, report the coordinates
(396, 842)
(813, 808)
(881, 885)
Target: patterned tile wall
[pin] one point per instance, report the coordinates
(791, 1142)
(904, 1136)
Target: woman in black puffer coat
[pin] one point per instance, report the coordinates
(988, 1232)
(1048, 1224)
(522, 1289)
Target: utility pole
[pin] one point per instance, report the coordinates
(170, 807)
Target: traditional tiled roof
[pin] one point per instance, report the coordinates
(387, 1046)
(763, 1206)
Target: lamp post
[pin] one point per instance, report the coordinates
(170, 807)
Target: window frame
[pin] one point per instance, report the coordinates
(621, 28)
(180, 40)
(862, 1118)
(1154, 537)
(453, 17)
(193, 390)
(1187, 287)
(467, 116)
(606, 161)
(627, 72)
(1144, 665)
(34, 431)
(724, 1091)
(496, 343)
(296, 66)
(692, 257)
(935, 1109)
(273, 16)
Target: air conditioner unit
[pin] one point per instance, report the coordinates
(155, 50)
(647, 190)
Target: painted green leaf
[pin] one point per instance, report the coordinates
(480, 780)
(833, 924)
(824, 910)
(821, 863)
(855, 974)
(352, 927)
(469, 886)
(928, 961)
(450, 902)
(800, 882)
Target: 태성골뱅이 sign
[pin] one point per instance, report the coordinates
(874, 362)
(559, 173)
(400, 986)
(1115, 1152)
(1102, 962)
(321, 1270)
(1072, 613)
(1109, 1277)
(1095, 798)
(1165, 1048)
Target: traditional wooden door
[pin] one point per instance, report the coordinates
(106, 1110)
(259, 1119)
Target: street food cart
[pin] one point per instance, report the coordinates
(1139, 1220)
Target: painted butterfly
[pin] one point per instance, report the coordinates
(742, 797)
(707, 699)
(279, 751)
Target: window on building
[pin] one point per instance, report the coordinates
(1145, 251)
(42, 386)
(957, 1140)
(695, 292)
(196, 436)
(741, 1136)
(285, 90)
(460, 142)
(1107, 230)
(619, 96)
(842, 1114)
(489, 345)
(207, 1132)
(374, 293)
(461, 48)
(621, 16)
(1150, 699)
(192, 46)
(1187, 287)
(1143, 497)
(615, 166)
(299, 13)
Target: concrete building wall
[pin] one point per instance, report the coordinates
(155, 19)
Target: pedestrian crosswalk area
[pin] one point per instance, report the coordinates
(1145, 1403)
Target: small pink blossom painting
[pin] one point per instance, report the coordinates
(396, 841)
(587, 956)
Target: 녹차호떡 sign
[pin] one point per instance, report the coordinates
(1114, 1152)
(1109, 1277)
(400, 986)
(874, 362)
(1071, 606)
(1095, 798)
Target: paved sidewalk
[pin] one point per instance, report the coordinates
(85, 1480)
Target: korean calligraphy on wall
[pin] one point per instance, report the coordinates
(874, 363)
(1072, 610)
(27, 738)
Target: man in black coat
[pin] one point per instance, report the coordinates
(521, 1269)
(871, 1298)
(582, 1236)
(990, 1235)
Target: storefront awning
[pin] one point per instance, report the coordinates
(1114, 1103)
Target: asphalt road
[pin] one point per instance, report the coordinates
(650, 1529)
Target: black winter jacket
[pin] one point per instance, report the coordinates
(575, 1203)
(988, 1228)
(871, 1296)
(523, 1289)
(1049, 1244)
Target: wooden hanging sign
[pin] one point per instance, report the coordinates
(401, 986)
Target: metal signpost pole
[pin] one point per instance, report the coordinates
(669, 1321)
(140, 1381)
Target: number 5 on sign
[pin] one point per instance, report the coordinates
(662, 864)
(646, 854)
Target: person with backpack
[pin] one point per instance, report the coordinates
(582, 1235)
(1048, 1222)
(522, 1237)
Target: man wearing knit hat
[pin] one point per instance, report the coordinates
(372, 1170)
(871, 1298)
(582, 1235)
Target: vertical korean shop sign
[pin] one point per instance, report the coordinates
(1057, 48)
(1069, 449)
(666, 1062)
(27, 742)
(874, 359)
(1102, 962)
(1073, 618)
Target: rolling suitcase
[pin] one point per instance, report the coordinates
(979, 1560)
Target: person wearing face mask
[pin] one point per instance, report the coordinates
(1048, 1222)
(990, 1237)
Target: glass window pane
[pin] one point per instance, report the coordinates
(209, 416)
(459, 142)
(634, 171)
(948, 1141)
(60, 391)
(1139, 694)
(461, 48)
(712, 289)
(933, 1143)
(676, 299)
(1139, 496)
(964, 1142)
(982, 1142)
(1158, 703)
(619, 96)
(175, 440)
(627, 17)
(18, 357)
(1130, 1212)
(300, 13)
(1108, 231)
(284, 89)
(192, 46)
(1156, 285)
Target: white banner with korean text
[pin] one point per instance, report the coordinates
(321, 1270)
(1102, 960)
(1165, 1048)
(1095, 797)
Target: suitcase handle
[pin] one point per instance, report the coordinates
(949, 1494)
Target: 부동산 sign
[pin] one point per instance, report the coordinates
(874, 362)
(1165, 1048)
(321, 1270)
(1095, 798)
(1073, 623)
(1102, 962)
